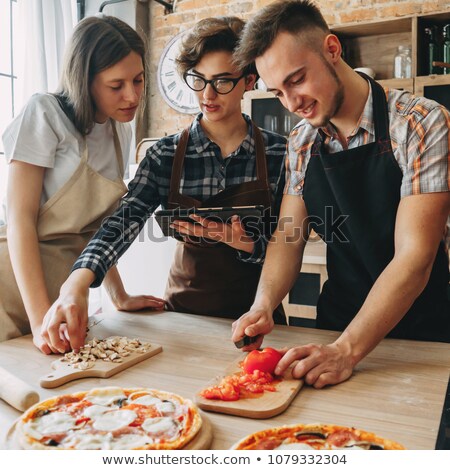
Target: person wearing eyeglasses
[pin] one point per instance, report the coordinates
(222, 159)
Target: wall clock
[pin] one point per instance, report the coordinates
(171, 86)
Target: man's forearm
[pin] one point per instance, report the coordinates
(281, 267)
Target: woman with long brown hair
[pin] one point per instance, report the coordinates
(67, 153)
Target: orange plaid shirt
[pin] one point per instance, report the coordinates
(420, 137)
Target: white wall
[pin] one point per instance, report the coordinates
(145, 266)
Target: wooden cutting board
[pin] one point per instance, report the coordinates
(266, 405)
(201, 441)
(65, 372)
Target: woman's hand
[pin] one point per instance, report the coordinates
(40, 342)
(232, 234)
(65, 324)
(139, 302)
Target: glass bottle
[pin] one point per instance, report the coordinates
(402, 62)
(446, 47)
(432, 50)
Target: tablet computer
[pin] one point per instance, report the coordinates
(248, 215)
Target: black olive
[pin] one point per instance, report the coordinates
(52, 443)
(375, 447)
(310, 434)
(121, 402)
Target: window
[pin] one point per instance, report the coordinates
(8, 77)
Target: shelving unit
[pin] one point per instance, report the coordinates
(374, 44)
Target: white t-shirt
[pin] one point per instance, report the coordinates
(43, 135)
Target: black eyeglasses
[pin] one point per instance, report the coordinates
(220, 85)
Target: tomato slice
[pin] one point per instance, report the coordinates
(240, 385)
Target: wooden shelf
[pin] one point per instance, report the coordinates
(374, 44)
(398, 83)
(391, 26)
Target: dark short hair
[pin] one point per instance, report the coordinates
(97, 43)
(298, 17)
(220, 33)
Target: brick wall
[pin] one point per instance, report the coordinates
(162, 120)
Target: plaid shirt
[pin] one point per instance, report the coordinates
(205, 174)
(420, 138)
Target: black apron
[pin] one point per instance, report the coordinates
(364, 183)
(207, 277)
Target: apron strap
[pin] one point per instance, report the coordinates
(261, 165)
(118, 149)
(380, 110)
(178, 161)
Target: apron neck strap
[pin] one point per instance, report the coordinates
(261, 166)
(178, 161)
(117, 148)
(180, 152)
(380, 109)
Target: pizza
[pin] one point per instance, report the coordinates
(110, 418)
(315, 437)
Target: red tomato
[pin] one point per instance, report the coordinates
(226, 391)
(265, 360)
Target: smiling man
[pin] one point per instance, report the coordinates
(374, 158)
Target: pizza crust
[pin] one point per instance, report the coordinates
(167, 422)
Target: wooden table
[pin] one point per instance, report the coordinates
(397, 392)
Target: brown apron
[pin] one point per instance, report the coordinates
(208, 278)
(66, 222)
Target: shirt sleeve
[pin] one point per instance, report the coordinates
(297, 157)
(32, 137)
(428, 152)
(118, 231)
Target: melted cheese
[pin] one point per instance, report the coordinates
(129, 441)
(165, 407)
(147, 400)
(95, 411)
(105, 396)
(293, 445)
(114, 420)
(165, 425)
(88, 441)
(52, 423)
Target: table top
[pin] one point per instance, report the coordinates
(397, 391)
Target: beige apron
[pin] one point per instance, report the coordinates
(66, 223)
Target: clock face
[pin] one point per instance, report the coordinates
(172, 87)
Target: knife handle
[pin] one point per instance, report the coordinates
(246, 340)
